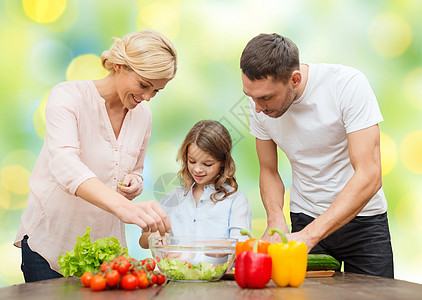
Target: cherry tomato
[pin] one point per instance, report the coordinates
(129, 282)
(161, 279)
(189, 264)
(98, 283)
(143, 281)
(122, 265)
(105, 266)
(149, 263)
(86, 279)
(152, 278)
(112, 278)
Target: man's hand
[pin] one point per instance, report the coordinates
(302, 236)
(131, 186)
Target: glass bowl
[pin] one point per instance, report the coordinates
(195, 259)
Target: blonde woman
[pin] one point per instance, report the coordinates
(97, 135)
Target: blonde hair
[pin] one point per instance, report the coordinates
(212, 138)
(148, 53)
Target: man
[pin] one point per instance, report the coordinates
(325, 119)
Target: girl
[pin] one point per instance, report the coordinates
(209, 204)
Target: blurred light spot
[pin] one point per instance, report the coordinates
(417, 212)
(49, 60)
(86, 67)
(388, 153)
(39, 117)
(4, 198)
(413, 88)
(410, 151)
(162, 17)
(259, 225)
(10, 272)
(15, 179)
(402, 213)
(44, 11)
(389, 35)
(22, 157)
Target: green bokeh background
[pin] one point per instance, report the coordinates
(42, 42)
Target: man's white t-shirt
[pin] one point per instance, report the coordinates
(313, 132)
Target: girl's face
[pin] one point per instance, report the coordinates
(132, 88)
(202, 166)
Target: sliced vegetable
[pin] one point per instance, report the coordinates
(176, 269)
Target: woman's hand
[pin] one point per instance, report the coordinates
(131, 187)
(146, 214)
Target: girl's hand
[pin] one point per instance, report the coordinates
(131, 186)
(146, 214)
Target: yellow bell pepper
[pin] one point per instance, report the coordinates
(289, 261)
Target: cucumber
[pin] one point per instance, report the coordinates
(322, 262)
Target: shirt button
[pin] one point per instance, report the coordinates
(194, 220)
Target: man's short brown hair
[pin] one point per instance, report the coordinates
(269, 55)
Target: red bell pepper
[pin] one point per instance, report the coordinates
(253, 269)
(249, 244)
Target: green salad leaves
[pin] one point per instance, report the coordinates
(176, 269)
(88, 256)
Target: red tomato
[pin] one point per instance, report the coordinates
(112, 278)
(143, 281)
(149, 263)
(105, 266)
(189, 264)
(98, 283)
(122, 265)
(161, 279)
(152, 278)
(86, 279)
(129, 282)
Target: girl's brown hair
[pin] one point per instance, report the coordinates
(212, 138)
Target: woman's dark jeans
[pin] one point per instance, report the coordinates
(34, 266)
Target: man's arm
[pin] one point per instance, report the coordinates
(271, 187)
(365, 157)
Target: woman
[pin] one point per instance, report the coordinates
(97, 135)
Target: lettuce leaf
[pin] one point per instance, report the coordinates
(178, 270)
(87, 256)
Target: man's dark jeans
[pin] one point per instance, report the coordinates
(363, 244)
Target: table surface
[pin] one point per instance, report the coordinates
(339, 286)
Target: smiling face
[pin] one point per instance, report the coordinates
(202, 166)
(132, 88)
(271, 97)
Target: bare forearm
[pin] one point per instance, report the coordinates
(272, 194)
(349, 202)
(98, 194)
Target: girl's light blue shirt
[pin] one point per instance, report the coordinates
(207, 219)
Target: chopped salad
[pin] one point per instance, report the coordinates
(179, 270)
